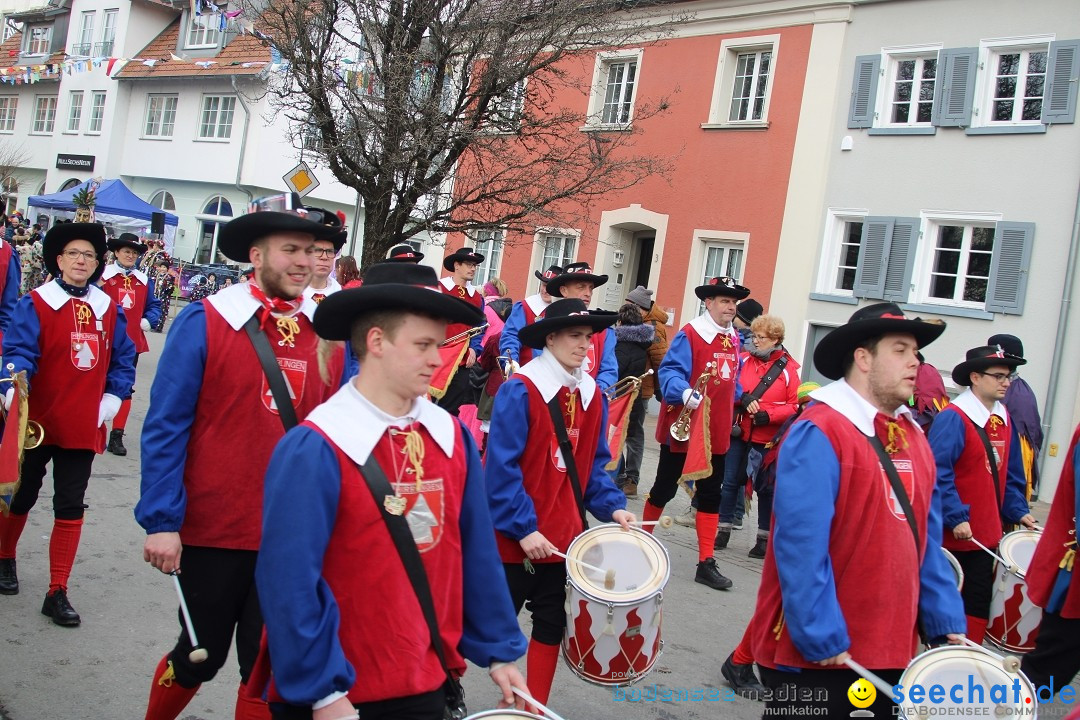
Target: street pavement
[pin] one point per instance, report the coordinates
(129, 617)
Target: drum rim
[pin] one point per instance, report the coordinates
(1010, 539)
(979, 653)
(957, 568)
(505, 713)
(623, 682)
(576, 575)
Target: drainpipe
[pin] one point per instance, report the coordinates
(1062, 326)
(243, 152)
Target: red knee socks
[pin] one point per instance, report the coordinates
(649, 514)
(11, 528)
(706, 534)
(250, 708)
(120, 421)
(540, 664)
(62, 547)
(976, 629)
(742, 654)
(168, 698)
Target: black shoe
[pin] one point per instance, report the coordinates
(9, 581)
(722, 538)
(57, 607)
(758, 551)
(741, 678)
(707, 574)
(116, 443)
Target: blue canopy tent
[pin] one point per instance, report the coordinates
(115, 205)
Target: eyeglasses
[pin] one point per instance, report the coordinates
(76, 254)
(761, 338)
(326, 253)
(1002, 377)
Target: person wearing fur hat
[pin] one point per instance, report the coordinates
(525, 313)
(655, 317)
(579, 281)
(322, 260)
(133, 290)
(534, 510)
(71, 340)
(633, 338)
(201, 498)
(980, 473)
(344, 627)
(854, 485)
(1023, 409)
(462, 264)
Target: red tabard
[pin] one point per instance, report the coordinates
(1043, 571)
(595, 354)
(457, 328)
(130, 293)
(382, 630)
(874, 562)
(975, 484)
(236, 427)
(66, 390)
(5, 257)
(724, 352)
(525, 353)
(548, 484)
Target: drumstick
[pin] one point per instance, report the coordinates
(1012, 568)
(665, 522)
(198, 654)
(536, 703)
(609, 575)
(872, 678)
(1010, 663)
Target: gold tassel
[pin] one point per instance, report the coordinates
(1067, 561)
(167, 677)
(288, 328)
(414, 449)
(896, 433)
(778, 628)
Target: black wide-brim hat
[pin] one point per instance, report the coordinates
(391, 286)
(721, 287)
(461, 255)
(981, 358)
(549, 274)
(331, 220)
(562, 314)
(127, 240)
(61, 234)
(404, 254)
(1011, 344)
(865, 323)
(237, 236)
(571, 273)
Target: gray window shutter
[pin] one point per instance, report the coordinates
(1009, 268)
(873, 258)
(1063, 77)
(864, 91)
(900, 258)
(955, 87)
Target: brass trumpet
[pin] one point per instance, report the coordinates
(627, 384)
(33, 434)
(680, 429)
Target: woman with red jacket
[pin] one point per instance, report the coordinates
(758, 414)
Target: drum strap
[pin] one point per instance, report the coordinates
(568, 457)
(898, 489)
(272, 370)
(992, 462)
(766, 382)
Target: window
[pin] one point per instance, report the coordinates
(8, 106)
(97, 111)
(70, 183)
(489, 243)
(38, 40)
(216, 213)
(217, 117)
(202, 31)
(960, 267)
(897, 92)
(75, 111)
(751, 79)
(85, 43)
(108, 34)
(310, 138)
(558, 250)
(721, 260)
(160, 116)
(163, 200)
(911, 90)
(614, 85)
(1018, 82)
(11, 195)
(504, 111)
(44, 114)
(743, 82)
(841, 251)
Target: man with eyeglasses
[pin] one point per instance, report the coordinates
(322, 258)
(980, 474)
(72, 341)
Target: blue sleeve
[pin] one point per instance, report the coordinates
(608, 374)
(508, 341)
(477, 341)
(152, 312)
(739, 389)
(298, 607)
(512, 510)
(1076, 493)
(941, 609)
(947, 441)
(10, 296)
(173, 397)
(121, 376)
(674, 372)
(602, 497)
(1015, 505)
(490, 632)
(351, 365)
(21, 348)
(807, 481)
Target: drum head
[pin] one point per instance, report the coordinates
(640, 562)
(969, 669)
(504, 715)
(1017, 548)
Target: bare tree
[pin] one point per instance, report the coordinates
(13, 161)
(444, 114)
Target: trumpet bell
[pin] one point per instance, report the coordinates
(680, 432)
(35, 435)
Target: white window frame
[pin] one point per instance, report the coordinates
(110, 19)
(702, 240)
(97, 112)
(540, 240)
(75, 107)
(165, 194)
(158, 134)
(597, 97)
(836, 221)
(890, 60)
(48, 123)
(926, 251)
(504, 111)
(201, 31)
(725, 247)
(987, 73)
(491, 244)
(727, 64)
(9, 106)
(37, 40)
(85, 45)
(218, 130)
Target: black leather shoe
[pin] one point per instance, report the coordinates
(9, 581)
(758, 551)
(722, 538)
(741, 678)
(707, 574)
(116, 443)
(57, 607)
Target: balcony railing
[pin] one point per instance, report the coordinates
(103, 49)
(81, 49)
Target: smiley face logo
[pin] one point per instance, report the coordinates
(861, 693)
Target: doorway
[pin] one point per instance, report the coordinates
(643, 251)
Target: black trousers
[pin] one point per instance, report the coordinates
(458, 393)
(669, 468)
(815, 689)
(545, 591)
(219, 587)
(428, 706)
(71, 475)
(978, 567)
(1057, 652)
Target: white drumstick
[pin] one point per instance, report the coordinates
(872, 678)
(609, 575)
(1012, 568)
(1010, 663)
(665, 521)
(536, 703)
(198, 654)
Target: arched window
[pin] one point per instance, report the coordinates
(73, 182)
(41, 189)
(11, 195)
(216, 213)
(163, 200)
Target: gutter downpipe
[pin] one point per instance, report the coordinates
(243, 152)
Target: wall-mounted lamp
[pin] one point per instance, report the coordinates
(847, 143)
(617, 258)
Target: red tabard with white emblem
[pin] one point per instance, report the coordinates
(6, 251)
(595, 354)
(235, 429)
(548, 484)
(1060, 530)
(723, 351)
(457, 328)
(66, 390)
(874, 562)
(525, 353)
(130, 293)
(975, 484)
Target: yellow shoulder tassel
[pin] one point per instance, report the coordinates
(167, 677)
(897, 434)
(778, 628)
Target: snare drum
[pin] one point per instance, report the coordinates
(1014, 619)
(967, 667)
(504, 715)
(957, 570)
(613, 636)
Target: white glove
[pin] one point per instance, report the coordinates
(145, 325)
(110, 405)
(691, 399)
(9, 396)
(512, 368)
